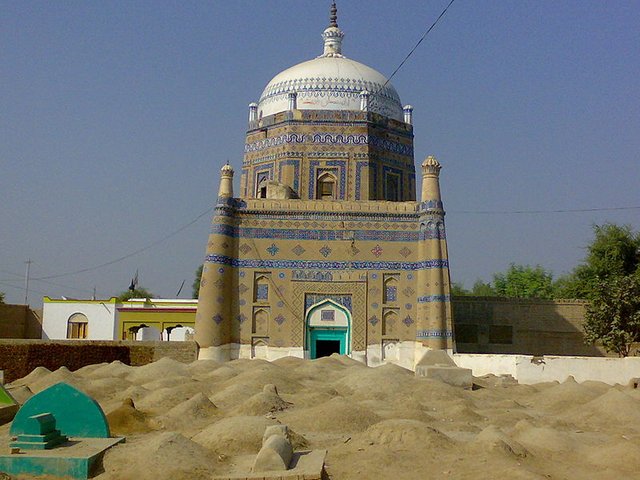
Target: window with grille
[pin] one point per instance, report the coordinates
(77, 326)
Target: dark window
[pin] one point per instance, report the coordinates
(466, 333)
(501, 334)
(392, 187)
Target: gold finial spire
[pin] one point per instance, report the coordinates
(333, 16)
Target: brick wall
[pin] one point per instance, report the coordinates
(19, 357)
(19, 321)
(520, 326)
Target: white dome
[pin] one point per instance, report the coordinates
(331, 82)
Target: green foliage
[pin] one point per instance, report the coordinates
(523, 281)
(1, 297)
(614, 252)
(138, 292)
(482, 289)
(613, 315)
(195, 286)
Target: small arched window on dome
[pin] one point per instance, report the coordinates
(261, 184)
(326, 187)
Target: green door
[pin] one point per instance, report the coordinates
(325, 341)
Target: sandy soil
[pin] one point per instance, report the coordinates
(195, 421)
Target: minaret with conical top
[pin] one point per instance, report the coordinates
(434, 303)
(214, 333)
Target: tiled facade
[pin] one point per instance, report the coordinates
(327, 220)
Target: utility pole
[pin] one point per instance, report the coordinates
(26, 282)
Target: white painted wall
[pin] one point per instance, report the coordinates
(529, 370)
(101, 317)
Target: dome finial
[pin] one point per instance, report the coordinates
(332, 35)
(333, 16)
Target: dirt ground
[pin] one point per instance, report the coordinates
(206, 418)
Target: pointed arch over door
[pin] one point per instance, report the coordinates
(328, 329)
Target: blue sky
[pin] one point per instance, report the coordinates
(117, 116)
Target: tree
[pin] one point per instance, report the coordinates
(195, 286)
(1, 297)
(482, 289)
(137, 292)
(614, 252)
(613, 314)
(523, 281)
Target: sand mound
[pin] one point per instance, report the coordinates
(289, 362)
(543, 438)
(88, 370)
(267, 401)
(105, 388)
(613, 407)
(113, 369)
(622, 455)
(562, 396)
(266, 374)
(384, 382)
(135, 392)
(494, 440)
(36, 374)
(185, 414)
(163, 368)
(163, 399)
(403, 433)
(203, 366)
(230, 396)
(60, 375)
(234, 435)
(126, 419)
(337, 415)
(160, 455)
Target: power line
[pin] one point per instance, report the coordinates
(419, 42)
(515, 212)
(129, 255)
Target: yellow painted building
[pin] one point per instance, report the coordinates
(326, 249)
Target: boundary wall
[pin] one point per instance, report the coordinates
(529, 369)
(20, 321)
(19, 357)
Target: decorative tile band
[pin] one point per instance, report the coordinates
(330, 139)
(434, 298)
(324, 265)
(307, 234)
(434, 334)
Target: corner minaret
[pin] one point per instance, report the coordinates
(214, 326)
(434, 326)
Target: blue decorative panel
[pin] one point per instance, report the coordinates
(407, 320)
(298, 250)
(296, 172)
(312, 275)
(391, 293)
(327, 315)
(434, 298)
(314, 298)
(325, 265)
(325, 251)
(281, 275)
(434, 334)
(262, 292)
(273, 249)
(373, 320)
(340, 172)
(279, 319)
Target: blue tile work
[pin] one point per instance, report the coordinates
(273, 249)
(296, 172)
(359, 166)
(390, 293)
(431, 205)
(312, 275)
(377, 250)
(217, 318)
(314, 298)
(262, 292)
(281, 275)
(279, 319)
(325, 138)
(340, 172)
(373, 320)
(434, 298)
(325, 251)
(432, 230)
(324, 265)
(311, 234)
(407, 320)
(434, 334)
(298, 250)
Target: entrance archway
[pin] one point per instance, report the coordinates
(328, 329)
